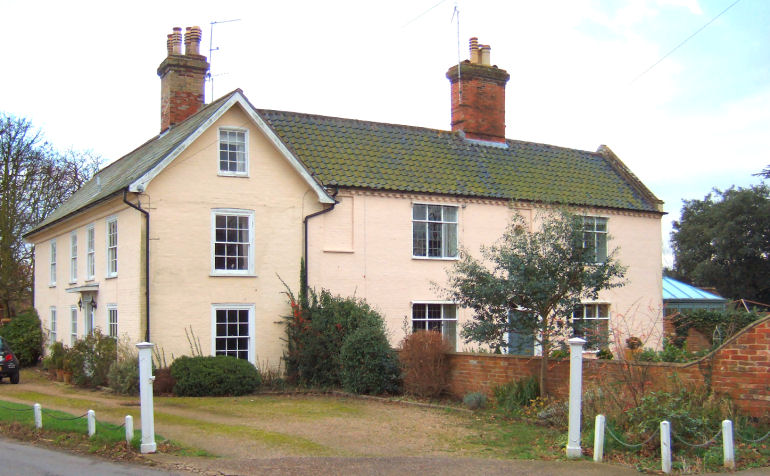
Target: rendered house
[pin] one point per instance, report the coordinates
(192, 230)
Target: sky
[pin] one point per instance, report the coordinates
(583, 73)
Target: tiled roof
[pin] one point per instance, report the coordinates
(353, 153)
(362, 154)
(120, 174)
(674, 290)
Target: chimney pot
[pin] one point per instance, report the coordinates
(176, 41)
(485, 50)
(474, 50)
(192, 40)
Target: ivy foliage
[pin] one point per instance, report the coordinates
(716, 325)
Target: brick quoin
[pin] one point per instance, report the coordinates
(746, 378)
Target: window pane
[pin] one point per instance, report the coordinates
(601, 248)
(450, 214)
(419, 212)
(434, 212)
(419, 239)
(418, 311)
(434, 239)
(451, 240)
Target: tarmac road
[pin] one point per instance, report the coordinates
(20, 459)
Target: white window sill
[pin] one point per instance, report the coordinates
(436, 258)
(339, 251)
(233, 174)
(52, 285)
(232, 275)
(90, 280)
(111, 276)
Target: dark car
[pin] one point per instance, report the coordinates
(9, 364)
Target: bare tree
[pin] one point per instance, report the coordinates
(34, 180)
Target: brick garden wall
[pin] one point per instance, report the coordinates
(740, 368)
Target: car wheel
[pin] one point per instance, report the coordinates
(15, 378)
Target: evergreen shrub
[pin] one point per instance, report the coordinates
(25, 337)
(90, 359)
(203, 376)
(369, 364)
(124, 376)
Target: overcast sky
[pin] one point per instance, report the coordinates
(85, 73)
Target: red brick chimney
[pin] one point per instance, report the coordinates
(478, 96)
(182, 77)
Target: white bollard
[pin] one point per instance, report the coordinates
(91, 423)
(38, 416)
(575, 396)
(129, 428)
(665, 446)
(599, 439)
(727, 444)
(145, 397)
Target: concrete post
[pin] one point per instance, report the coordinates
(599, 439)
(575, 395)
(145, 397)
(38, 415)
(727, 444)
(665, 446)
(129, 428)
(91, 423)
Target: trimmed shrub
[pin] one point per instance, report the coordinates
(475, 400)
(124, 376)
(24, 335)
(315, 332)
(214, 376)
(90, 359)
(424, 362)
(369, 365)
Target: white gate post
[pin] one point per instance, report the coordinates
(129, 428)
(727, 444)
(91, 423)
(38, 415)
(145, 396)
(599, 439)
(575, 395)
(665, 446)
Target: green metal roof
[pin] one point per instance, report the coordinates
(372, 155)
(353, 153)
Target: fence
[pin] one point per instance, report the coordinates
(90, 417)
(739, 368)
(726, 432)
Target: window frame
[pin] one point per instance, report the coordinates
(444, 223)
(52, 335)
(52, 261)
(215, 212)
(251, 308)
(228, 173)
(90, 252)
(595, 234)
(598, 305)
(73, 325)
(73, 257)
(444, 304)
(112, 308)
(111, 249)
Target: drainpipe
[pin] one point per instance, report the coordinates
(304, 221)
(146, 260)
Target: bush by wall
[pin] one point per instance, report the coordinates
(369, 365)
(24, 335)
(214, 376)
(90, 359)
(425, 363)
(315, 332)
